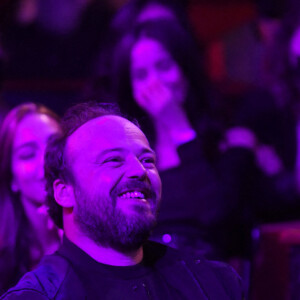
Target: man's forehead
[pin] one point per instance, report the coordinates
(109, 128)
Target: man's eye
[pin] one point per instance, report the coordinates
(148, 160)
(115, 159)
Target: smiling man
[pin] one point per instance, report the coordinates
(104, 190)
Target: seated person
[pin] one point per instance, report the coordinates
(104, 190)
(26, 231)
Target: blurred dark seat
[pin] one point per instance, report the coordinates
(276, 262)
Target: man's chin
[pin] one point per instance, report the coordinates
(124, 230)
(129, 245)
(131, 237)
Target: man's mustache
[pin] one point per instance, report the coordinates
(135, 185)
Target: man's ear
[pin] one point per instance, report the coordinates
(63, 193)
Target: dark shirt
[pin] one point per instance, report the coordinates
(212, 203)
(204, 203)
(164, 273)
(109, 282)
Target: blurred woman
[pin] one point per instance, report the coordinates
(26, 231)
(158, 79)
(133, 12)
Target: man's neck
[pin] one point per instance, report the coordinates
(105, 255)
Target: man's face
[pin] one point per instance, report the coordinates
(116, 184)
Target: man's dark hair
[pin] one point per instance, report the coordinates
(56, 166)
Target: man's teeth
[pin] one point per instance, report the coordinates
(134, 194)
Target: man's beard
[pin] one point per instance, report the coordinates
(109, 226)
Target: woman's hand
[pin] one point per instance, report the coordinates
(153, 98)
(239, 137)
(265, 156)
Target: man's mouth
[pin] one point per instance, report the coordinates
(134, 192)
(132, 195)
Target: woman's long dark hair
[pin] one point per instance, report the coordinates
(16, 235)
(179, 43)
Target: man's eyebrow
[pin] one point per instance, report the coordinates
(118, 149)
(122, 150)
(108, 151)
(148, 150)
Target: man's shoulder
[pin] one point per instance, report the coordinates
(216, 278)
(53, 278)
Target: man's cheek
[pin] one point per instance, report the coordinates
(106, 178)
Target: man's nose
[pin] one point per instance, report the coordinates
(135, 169)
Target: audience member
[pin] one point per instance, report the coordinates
(104, 190)
(133, 12)
(284, 79)
(157, 79)
(26, 231)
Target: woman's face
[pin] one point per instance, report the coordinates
(28, 152)
(157, 80)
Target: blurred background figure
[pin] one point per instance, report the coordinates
(284, 70)
(130, 14)
(253, 113)
(51, 47)
(26, 230)
(158, 78)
